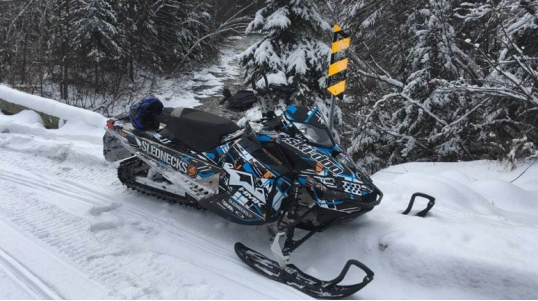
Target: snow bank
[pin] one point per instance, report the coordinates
(51, 107)
(28, 122)
(480, 187)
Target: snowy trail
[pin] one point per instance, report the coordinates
(79, 201)
(203, 87)
(68, 221)
(70, 230)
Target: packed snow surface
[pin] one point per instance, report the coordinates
(69, 229)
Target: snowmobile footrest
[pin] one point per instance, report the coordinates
(422, 213)
(292, 276)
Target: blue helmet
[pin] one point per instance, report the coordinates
(145, 113)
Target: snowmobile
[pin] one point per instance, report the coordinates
(289, 173)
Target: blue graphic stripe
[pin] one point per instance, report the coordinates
(312, 114)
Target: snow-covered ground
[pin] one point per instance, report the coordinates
(69, 229)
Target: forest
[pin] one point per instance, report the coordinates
(428, 80)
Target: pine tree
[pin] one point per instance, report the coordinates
(293, 48)
(96, 34)
(96, 31)
(446, 81)
(405, 124)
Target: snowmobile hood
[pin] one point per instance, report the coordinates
(331, 177)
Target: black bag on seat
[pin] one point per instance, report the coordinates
(241, 101)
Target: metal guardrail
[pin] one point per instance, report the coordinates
(8, 108)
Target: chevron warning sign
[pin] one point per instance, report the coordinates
(339, 62)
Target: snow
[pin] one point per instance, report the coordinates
(278, 19)
(265, 54)
(208, 82)
(68, 228)
(9, 288)
(297, 61)
(30, 123)
(51, 107)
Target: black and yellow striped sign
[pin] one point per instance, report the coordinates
(339, 62)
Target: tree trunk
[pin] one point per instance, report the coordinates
(131, 67)
(96, 83)
(24, 53)
(66, 54)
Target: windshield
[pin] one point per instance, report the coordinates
(315, 135)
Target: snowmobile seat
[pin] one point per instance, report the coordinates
(198, 130)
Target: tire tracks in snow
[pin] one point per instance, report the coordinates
(93, 198)
(32, 285)
(66, 280)
(51, 186)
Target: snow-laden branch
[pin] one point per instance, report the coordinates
(384, 78)
(51, 107)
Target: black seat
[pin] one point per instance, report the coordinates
(201, 131)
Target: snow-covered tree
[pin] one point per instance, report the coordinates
(509, 88)
(294, 47)
(411, 121)
(100, 47)
(441, 86)
(96, 31)
(96, 35)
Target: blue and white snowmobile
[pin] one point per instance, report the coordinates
(289, 173)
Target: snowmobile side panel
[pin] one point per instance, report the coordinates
(200, 178)
(225, 205)
(252, 184)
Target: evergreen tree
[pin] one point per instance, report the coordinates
(410, 122)
(96, 32)
(97, 38)
(445, 82)
(293, 48)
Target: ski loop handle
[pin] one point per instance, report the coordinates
(367, 279)
(422, 213)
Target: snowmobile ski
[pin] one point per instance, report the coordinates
(292, 276)
(422, 213)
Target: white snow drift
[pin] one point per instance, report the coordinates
(51, 107)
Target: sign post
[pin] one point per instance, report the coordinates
(337, 75)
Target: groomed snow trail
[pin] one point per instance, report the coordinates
(69, 229)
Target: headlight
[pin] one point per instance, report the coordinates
(315, 135)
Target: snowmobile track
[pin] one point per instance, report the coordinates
(126, 177)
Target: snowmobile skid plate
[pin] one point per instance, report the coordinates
(292, 276)
(422, 213)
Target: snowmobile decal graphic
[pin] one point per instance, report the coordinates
(157, 153)
(186, 164)
(314, 154)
